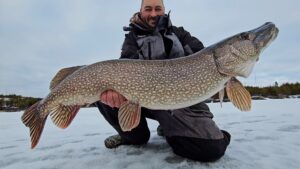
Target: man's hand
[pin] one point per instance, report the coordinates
(112, 98)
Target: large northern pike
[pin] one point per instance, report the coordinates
(154, 84)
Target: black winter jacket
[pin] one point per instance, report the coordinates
(130, 48)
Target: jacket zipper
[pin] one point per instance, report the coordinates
(149, 51)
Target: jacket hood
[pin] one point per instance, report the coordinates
(140, 26)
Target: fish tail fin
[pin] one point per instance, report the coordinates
(62, 115)
(34, 122)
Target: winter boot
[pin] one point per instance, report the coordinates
(113, 141)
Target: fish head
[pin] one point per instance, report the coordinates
(237, 55)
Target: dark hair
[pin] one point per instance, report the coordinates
(162, 1)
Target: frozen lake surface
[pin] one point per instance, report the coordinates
(267, 137)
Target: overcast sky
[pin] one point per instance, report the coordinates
(39, 37)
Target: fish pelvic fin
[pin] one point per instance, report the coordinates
(34, 122)
(221, 96)
(62, 115)
(238, 94)
(62, 74)
(129, 116)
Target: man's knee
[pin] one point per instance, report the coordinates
(202, 107)
(198, 149)
(110, 114)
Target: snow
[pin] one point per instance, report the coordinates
(266, 137)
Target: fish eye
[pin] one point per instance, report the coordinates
(245, 36)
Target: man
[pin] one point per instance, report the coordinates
(190, 131)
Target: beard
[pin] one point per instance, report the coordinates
(152, 21)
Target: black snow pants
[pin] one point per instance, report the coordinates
(199, 149)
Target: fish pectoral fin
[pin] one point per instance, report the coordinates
(238, 95)
(129, 116)
(62, 74)
(221, 96)
(62, 115)
(34, 122)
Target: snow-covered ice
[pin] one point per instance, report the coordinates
(266, 137)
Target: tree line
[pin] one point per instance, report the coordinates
(283, 90)
(14, 102)
(274, 91)
(17, 102)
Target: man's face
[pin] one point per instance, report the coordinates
(150, 10)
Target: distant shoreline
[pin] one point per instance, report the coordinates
(10, 111)
(13, 110)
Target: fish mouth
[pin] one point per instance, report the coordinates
(265, 34)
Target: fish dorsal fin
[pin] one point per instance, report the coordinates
(221, 96)
(62, 74)
(129, 116)
(238, 95)
(62, 115)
